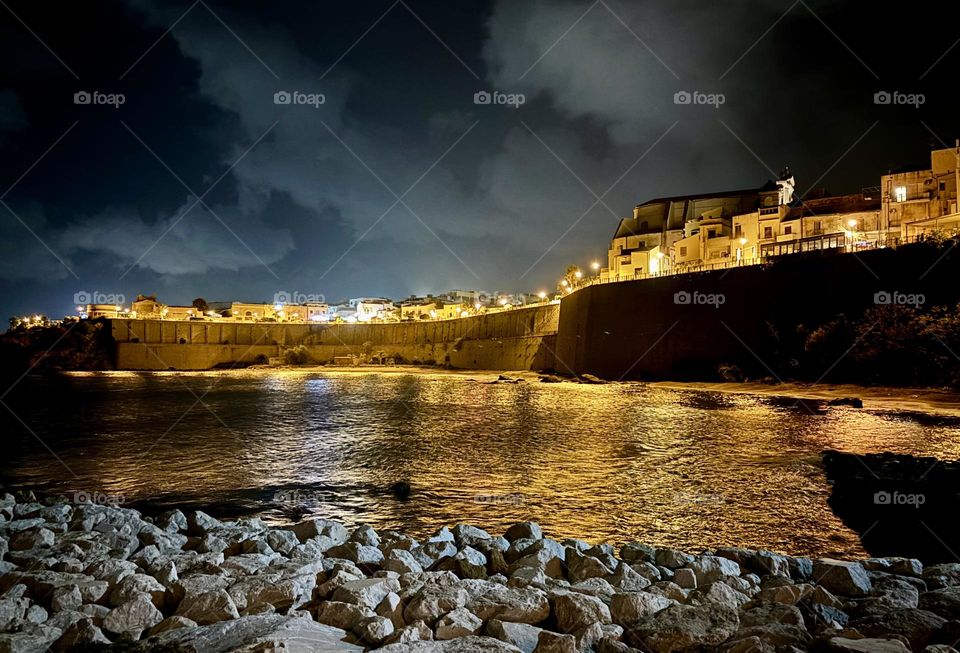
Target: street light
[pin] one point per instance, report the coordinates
(578, 274)
(852, 223)
(595, 265)
(542, 295)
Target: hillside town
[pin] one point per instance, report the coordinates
(676, 235)
(664, 236)
(285, 308)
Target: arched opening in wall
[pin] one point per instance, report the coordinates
(183, 341)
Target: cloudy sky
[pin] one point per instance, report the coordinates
(200, 183)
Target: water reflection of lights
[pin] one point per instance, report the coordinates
(605, 463)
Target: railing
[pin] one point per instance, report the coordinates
(838, 243)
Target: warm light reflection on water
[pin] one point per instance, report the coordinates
(605, 463)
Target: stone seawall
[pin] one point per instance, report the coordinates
(686, 326)
(521, 339)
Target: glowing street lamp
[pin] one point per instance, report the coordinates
(564, 283)
(852, 223)
(542, 295)
(578, 274)
(595, 266)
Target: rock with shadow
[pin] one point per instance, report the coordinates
(900, 505)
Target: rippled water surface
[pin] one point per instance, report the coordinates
(605, 463)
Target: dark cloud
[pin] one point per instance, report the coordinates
(307, 196)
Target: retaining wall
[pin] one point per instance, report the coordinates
(521, 339)
(645, 329)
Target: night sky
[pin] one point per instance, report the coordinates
(199, 184)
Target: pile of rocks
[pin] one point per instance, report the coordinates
(91, 577)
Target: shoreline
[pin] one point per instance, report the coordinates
(931, 400)
(927, 400)
(91, 576)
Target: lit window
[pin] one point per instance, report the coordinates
(900, 193)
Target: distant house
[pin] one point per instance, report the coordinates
(923, 200)
(251, 312)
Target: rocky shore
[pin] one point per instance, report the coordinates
(93, 577)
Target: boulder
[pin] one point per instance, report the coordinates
(524, 530)
(550, 642)
(581, 567)
(80, 635)
(172, 623)
(262, 632)
(134, 616)
(628, 608)
(470, 563)
(457, 623)
(402, 562)
(709, 569)
(867, 645)
(368, 592)
(472, 644)
(917, 626)
(374, 630)
(328, 533)
(573, 611)
(342, 615)
(671, 558)
(841, 577)
(681, 627)
(524, 636)
(627, 579)
(515, 604)
(944, 602)
(208, 607)
(431, 602)
(391, 607)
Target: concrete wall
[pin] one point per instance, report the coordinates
(521, 339)
(637, 329)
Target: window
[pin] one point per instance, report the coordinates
(900, 193)
(683, 251)
(788, 230)
(768, 232)
(711, 233)
(817, 228)
(644, 226)
(738, 231)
